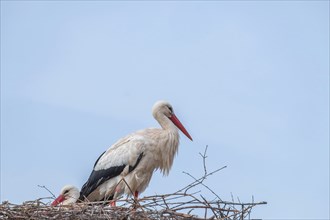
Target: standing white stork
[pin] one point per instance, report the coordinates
(135, 157)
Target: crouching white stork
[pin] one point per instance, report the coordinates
(134, 158)
(69, 195)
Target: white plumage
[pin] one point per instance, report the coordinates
(135, 157)
(69, 195)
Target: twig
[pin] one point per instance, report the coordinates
(208, 205)
(198, 181)
(47, 190)
(204, 160)
(201, 182)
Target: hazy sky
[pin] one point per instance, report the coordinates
(250, 79)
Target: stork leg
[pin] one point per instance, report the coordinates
(136, 194)
(113, 201)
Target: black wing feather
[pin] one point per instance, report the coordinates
(131, 168)
(98, 159)
(100, 176)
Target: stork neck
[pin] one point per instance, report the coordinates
(166, 123)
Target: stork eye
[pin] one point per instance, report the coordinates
(170, 108)
(66, 191)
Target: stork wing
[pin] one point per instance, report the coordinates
(111, 164)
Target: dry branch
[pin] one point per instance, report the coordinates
(182, 204)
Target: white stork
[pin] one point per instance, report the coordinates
(69, 195)
(134, 158)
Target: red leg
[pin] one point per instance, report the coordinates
(113, 203)
(136, 194)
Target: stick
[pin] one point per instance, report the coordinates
(47, 190)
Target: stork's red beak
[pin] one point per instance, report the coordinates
(58, 200)
(177, 123)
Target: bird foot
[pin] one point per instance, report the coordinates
(113, 203)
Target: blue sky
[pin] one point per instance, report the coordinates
(250, 79)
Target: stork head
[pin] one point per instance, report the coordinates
(164, 109)
(69, 195)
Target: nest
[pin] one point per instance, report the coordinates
(170, 206)
(182, 204)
